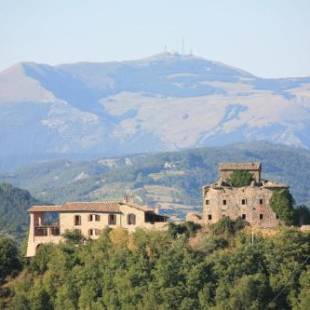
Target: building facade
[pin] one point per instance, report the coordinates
(49, 223)
(251, 203)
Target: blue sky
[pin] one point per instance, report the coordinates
(269, 38)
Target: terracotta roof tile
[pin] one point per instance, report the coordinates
(240, 166)
(105, 206)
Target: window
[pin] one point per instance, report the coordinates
(261, 201)
(112, 219)
(77, 220)
(94, 217)
(261, 216)
(131, 219)
(90, 232)
(224, 202)
(207, 202)
(243, 201)
(243, 216)
(209, 216)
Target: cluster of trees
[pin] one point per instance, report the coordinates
(182, 268)
(14, 203)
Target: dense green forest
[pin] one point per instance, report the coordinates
(14, 203)
(223, 267)
(173, 179)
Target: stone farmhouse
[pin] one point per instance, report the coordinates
(251, 203)
(89, 219)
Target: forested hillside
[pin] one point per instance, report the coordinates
(183, 268)
(173, 180)
(14, 203)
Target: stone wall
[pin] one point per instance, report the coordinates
(251, 203)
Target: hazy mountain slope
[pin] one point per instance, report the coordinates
(165, 102)
(173, 180)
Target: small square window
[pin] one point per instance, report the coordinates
(209, 217)
(243, 216)
(224, 202)
(261, 216)
(261, 201)
(243, 201)
(207, 202)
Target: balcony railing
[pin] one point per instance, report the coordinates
(42, 231)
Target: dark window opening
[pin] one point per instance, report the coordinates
(224, 202)
(151, 217)
(261, 201)
(261, 216)
(207, 202)
(131, 219)
(243, 201)
(243, 216)
(40, 231)
(77, 220)
(209, 217)
(112, 219)
(94, 217)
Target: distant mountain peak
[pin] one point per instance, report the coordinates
(164, 102)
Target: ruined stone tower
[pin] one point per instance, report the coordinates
(252, 203)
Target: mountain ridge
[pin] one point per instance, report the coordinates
(161, 103)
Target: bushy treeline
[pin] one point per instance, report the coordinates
(183, 268)
(14, 203)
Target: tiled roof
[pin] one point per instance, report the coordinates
(270, 184)
(240, 166)
(101, 206)
(105, 206)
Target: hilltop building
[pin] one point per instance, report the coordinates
(251, 203)
(88, 218)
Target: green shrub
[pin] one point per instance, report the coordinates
(240, 178)
(282, 203)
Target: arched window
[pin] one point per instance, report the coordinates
(131, 219)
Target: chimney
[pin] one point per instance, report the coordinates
(157, 209)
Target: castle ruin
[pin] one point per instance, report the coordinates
(251, 202)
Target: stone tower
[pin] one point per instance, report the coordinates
(252, 203)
